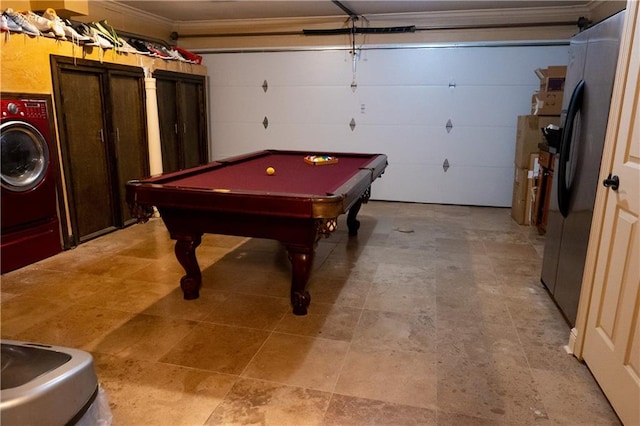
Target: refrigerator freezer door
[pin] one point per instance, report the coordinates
(553, 238)
(592, 58)
(599, 73)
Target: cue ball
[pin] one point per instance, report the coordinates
(271, 171)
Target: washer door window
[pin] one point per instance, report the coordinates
(24, 154)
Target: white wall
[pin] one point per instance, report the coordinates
(403, 100)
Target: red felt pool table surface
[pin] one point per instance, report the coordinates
(292, 175)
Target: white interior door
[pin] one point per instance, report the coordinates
(612, 334)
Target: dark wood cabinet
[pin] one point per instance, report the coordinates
(128, 117)
(101, 116)
(182, 114)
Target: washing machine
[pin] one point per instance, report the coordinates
(30, 228)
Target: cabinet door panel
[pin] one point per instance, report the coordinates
(86, 160)
(128, 134)
(191, 101)
(167, 115)
(182, 115)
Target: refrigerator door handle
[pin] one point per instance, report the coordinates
(575, 104)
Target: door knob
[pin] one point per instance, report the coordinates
(612, 181)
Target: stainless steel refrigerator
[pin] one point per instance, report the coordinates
(593, 55)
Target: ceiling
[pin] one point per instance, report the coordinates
(209, 10)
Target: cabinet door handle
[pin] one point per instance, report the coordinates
(175, 127)
(101, 135)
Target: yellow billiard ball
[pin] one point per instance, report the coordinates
(271, 171)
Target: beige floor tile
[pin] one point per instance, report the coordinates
(401, 377)
(5, 297)
(477, 343)
(115, 266)
(254, 402)
(69, 286)
(150, 248)
(491, 390)
(143, 337)
(449, 419)
(477, 306)
(77, 259)
(152, 393)
(322, 320)
(349, 411)
(417, 297)
(537, 313)
(248, 310)
(223, 241)
(345, 291)
(379, 330)
(239, 278)
(219, 348)
(510, 250)
(455, 246)
(173, 305)
(476, 262)
(127, 295)
(166, 270)
(544, 348)
(409, 257)
(299, 361)
(528, 267)
(75, 327)
(573, 400)
(22, 312)
(523, 288)
(31, 279)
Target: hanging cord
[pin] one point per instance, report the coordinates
(355, 51)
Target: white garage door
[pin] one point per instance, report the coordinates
(445, 116)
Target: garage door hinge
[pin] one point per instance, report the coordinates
(265, 122)
(352, 124)
(265, 86)
(449, 126)
(445, 165)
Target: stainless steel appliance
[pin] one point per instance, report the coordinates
(48, 385)
(593, 56)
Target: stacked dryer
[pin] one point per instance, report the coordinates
(29, 216)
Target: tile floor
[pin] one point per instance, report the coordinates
(432, 315)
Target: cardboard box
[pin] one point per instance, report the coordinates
(546, 103)
(525, 189)
(529, 135)
(519, 197)
(552, 78)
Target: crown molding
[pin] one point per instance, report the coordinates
(134, 13)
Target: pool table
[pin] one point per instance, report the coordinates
(296, 205)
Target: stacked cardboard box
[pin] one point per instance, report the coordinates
(525, 186)
(545, 110)
(548, 100)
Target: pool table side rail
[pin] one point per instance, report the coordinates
(355, 187)
(157, 191)
(238, 202)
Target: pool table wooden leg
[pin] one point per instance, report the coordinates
(352, 223)
(186, 253)
(301, 262)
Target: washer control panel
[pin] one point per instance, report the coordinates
(23, 109)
